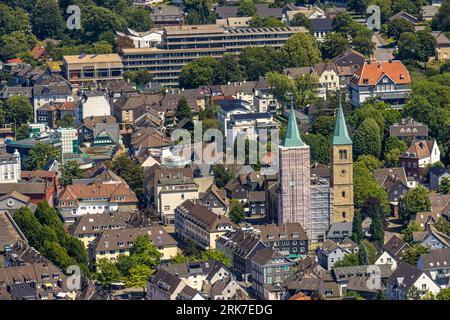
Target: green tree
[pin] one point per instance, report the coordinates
(246, 9)
(71, 170)
(183, 110)
(324, 125)
(349, 260)
(319, 146)
(414, 201)
(407, 233)
(395, 143)
(66, 122)
(370, 162)
(199, 72)
(280, 86)
(130, 171)
(301, 50)
(443, 226)
(19, 110)
(143, 252)
(412, 255)
(15, 43)
(258, 61)
(392, 158)
(139, 19)
(343, 23)
(358, 6)
(122, 42)
(399, 26)
(223, 175)
(265, 22)
(216, 255)
(138, 277)
(140, 77)
(227, 70)
(363, 254)
(334, 45)
(199, 11)
(300, 20)
(443, 294)
(12, 19)
(237, 213)
(97, 20)
(47, 19)
(444, 186)
(363, 44)
(376, 228)
(367, 139)
(441, 21)
(40, 154)
(427, 45)
(365, 187)
(357, 232)
(107, 272)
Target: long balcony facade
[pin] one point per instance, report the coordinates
(184, 44)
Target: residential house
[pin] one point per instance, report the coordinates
(144, 39)
(442, 46)
(88, 227)
(432, 238)
(396, 184)
(80, 199)
(250, 125)
(53, 92)
(404, 16)
(171, 188)
(311, 12)
(127, 109)
(215, 200)
(437, 264)
(167, 15)
(225, 289)
(10, 232)
(436, 174)
(409, 128)
(330, 252)
(406, 279)
(243, 90)
(347, 64)
(99, 131)
(240, 246)
(163, 285)
(148, 140)
(10, 167)
(339, 231)
(199, 275)
(200, 225)
(386, 80)
(230, 107)
(51, 113)
(264, 100)
(321, 27)
(269, 270)
(289, 239)
(392, 252)
(419, 155)
(113, 242)
(93, 104)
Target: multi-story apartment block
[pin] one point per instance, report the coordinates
(172, 188)
(200, 225)
(9, 167)
(269, 270)
(69, 140)
(289, 239)
(80, 199)
(409, 128)
(92, 69)
(386, 80)
(113, 242)
(182, 44)
(250, 125)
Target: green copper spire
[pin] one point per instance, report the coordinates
(292, 137)
(340, 131)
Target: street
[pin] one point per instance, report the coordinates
(382, 52)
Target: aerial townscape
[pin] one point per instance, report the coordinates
(241, 150)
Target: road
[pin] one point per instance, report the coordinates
(382, 52)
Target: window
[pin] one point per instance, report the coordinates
(343, 154)
(344, 214)
(286, 268)
(343, 194)
(269, 280)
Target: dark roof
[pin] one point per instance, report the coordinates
(437, 170)
(285, 231)
(395, 247)
(263, 255)
(165, 281)
(322, 24)
(211, 220)
(404, 276)
(436, 258)
(250, 116)
(228, 105)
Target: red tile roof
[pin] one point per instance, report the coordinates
(374, 71)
